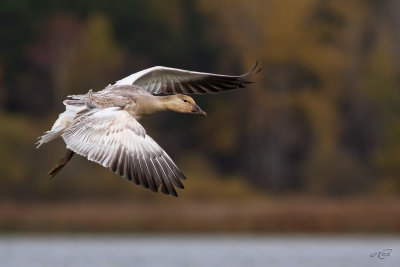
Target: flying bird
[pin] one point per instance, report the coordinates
(104, 126)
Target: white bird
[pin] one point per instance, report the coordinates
(103, 126)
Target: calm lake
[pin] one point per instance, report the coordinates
(198, 250)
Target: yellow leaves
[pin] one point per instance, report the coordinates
(323, 119)
(348, 51)
(98, 41)
(14, 131)
(97, 57)
(205, 183)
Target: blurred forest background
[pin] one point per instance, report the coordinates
(321, 123)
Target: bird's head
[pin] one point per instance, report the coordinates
(185, 104)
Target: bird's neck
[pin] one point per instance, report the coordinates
(167, 102)
(152, 104)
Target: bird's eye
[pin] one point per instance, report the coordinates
(184, 100)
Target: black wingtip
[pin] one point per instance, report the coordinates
(172, 192)
(252, 71)
(154, 189)
(164, 189)
(260, 69)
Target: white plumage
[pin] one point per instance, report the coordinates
(103, 126)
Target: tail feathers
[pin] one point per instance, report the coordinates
(63, 122)
(48, 136)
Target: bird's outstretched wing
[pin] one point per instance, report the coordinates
(114, 139)
(165, 80)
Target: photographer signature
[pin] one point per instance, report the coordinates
(382, 254)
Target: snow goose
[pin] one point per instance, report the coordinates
(103, 126)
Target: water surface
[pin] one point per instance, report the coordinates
(197, 250)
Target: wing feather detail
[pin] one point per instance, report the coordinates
(114, 139)
(163, 80)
